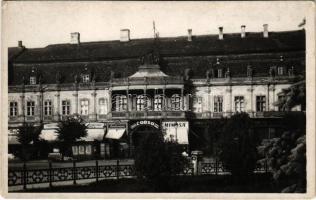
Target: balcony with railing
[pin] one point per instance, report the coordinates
(147, 114)
(147, 81)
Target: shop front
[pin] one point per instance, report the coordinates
(116, 143)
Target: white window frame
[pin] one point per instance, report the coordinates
(48, 108)
(102, 106)
(85, 78)
(30, 108)
(218, 104)
(239, 103)
(13, 109)
(141, 102)
(65, 107)
(281, 70)
(175, 102)
(219, 73)
(197, 104)
(158, 102)
(84, 106)
(261, 103)
(32, 80)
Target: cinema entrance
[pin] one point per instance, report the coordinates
(138, 130)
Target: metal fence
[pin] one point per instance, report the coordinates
(24, 177)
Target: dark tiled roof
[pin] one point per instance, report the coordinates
(13, 52)
(177, 55)
(201, 45)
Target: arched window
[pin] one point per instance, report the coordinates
(175, 102)
(141, 102)
(158, 102)
(120, 103)
(85, 78)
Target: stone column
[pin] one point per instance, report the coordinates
(127, 99)
(197, 162)
(39, 107)
(268, 97)
(230, 104)
(76, 95)
(22, 100)
(164, 98)
(208, 98)
(110, 100)
(94, 112)
(251, 110)
(182, 99)
(58, 110)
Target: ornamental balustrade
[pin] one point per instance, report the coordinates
(25, 177)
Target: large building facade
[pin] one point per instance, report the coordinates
(176, 86)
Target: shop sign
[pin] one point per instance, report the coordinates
(14, 131)
(175, 124)
(176, 131)
(95, 125)
(117, 124)
(145, 122)
(51, 126)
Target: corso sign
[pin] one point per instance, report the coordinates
(145, 122)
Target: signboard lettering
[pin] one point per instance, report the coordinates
(95, 125)
(145, 122)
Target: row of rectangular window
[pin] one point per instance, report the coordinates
(219, 74)
(48, 108)
(120, 104)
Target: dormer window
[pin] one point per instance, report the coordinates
(85, 78)
(32, 80)
(249, 71)
(219, 73)
(280, 71)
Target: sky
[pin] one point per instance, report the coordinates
(39, 24)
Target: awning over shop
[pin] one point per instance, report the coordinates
(12, 136)
(13, 139)
(49, 135)
(94, 134)
(176, 131)
(115, 133)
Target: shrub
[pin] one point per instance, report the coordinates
(158, 162)
(69, 131)
(237, 146)
(28, 137)
(286, 156)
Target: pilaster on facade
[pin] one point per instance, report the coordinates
(94, 106)
(250, 90)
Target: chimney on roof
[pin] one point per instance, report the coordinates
(220, 34)
(243, 31)
(75, 38)
(265, 31)
(124, 36)
(189, 35)
(20, 43)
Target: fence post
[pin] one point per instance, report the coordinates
(50, 174)
(97, 170)
(117, 169)
(74, 172)
(24, 176)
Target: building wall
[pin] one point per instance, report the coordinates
(202, 99)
